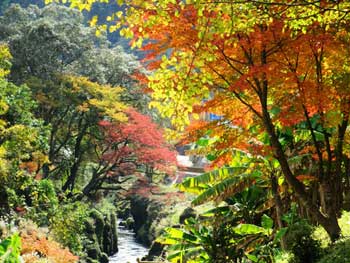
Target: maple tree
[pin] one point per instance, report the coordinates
(265, 77)
(272, 71)
(128, 147)
(73, 121)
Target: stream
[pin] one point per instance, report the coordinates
(128, 247)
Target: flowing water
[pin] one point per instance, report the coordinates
(128, 247)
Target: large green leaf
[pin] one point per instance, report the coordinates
(201, 182)
(266, 222)
(225, 188)
(249, 229)
(221, 210)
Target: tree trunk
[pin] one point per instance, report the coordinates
(278, 206)
(328, 221)
(93, 184)
(78, 153)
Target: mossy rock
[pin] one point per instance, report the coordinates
(104, 258)
(114, 234)
(129, 222)
(93, 251)
(156, 250)
(99, 225)
(89, 227)
(102, 235)
(138, 209)
(146, 214)
(107, 233)
(90, 260)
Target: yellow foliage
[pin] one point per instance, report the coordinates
(3, 108)
(104, 98)
(5, 57)
(93, 21)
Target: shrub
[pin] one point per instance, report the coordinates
(299, 241)
(337, 253)
(37, 246)
(36, 200)
(67, 226)
(10, 249)
(43, 201)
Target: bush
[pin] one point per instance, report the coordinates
(337, 253)
(36, 199)
(299, 241)
(43, 201)
(38, 246)
(284, 257)
(10, 249)
(68, 226)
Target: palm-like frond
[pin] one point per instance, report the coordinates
(198, 184)
(219, 184)
(226, 188)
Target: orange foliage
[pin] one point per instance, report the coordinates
(36, 245)
(31, 167)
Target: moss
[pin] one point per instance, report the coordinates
(104, 258)
(93, 250)
(99, 225)
(114, 233)
(90, 260)
(129, 222)
(89, 227)
(107, 233)
(102, 235)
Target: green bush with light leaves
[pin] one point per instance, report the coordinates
(10, 249)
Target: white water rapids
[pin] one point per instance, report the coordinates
(128, 247)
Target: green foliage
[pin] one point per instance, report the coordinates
(23, 136)
(216, 240)
(237, 229)
(14, 200)
(187, 243)
(23, 141)
(5, 63)
(337, 253)
(67, 225)
(54, 40)
(37, 198)
(218, 184)
(299, 241)
(43, 201)
(44, 41)
(10, 249)
(200, 183)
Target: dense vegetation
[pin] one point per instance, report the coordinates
(72, 130)
(76, 128)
